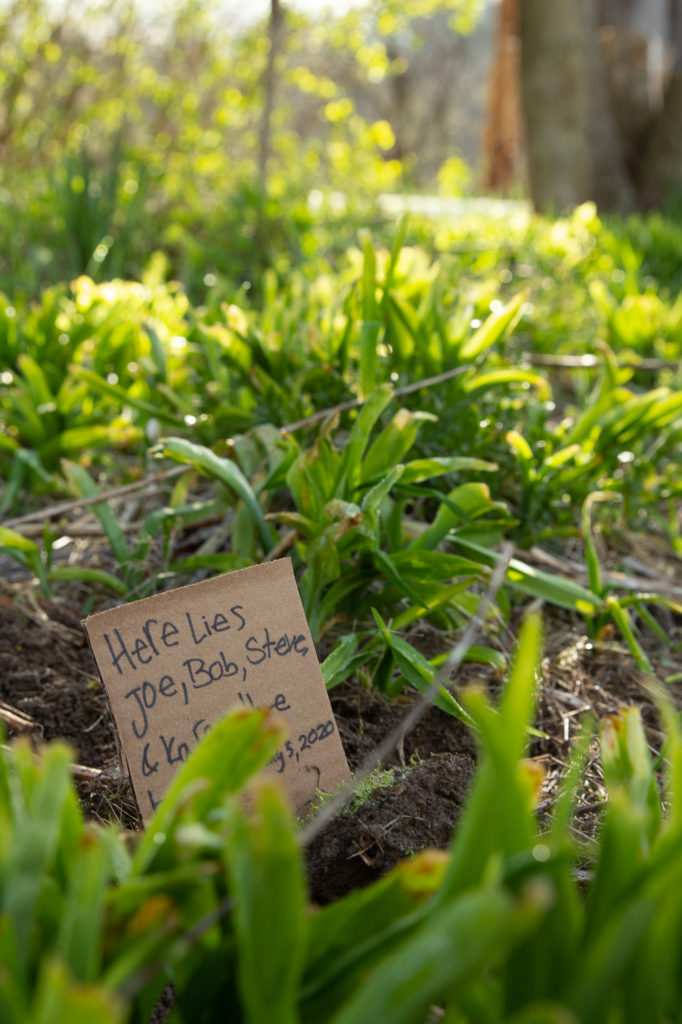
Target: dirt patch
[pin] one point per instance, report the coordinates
(49, 679)
(48, 675)
(419, 809)
(50, 689)
(364, 718)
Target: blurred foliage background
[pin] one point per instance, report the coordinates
(233, 142)
(183, 129)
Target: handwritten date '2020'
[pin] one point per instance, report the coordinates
(305, 742)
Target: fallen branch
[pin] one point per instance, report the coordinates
(79, 771)
(589, 361)
(355, 403)
(77, 530)
(140, 485)
(284, 544)
(17, 719)
(115, 492)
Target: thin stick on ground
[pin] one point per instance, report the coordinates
(17, 719)
(138, 485)
(590, 361)
(79, 771)
(331, 808)
(114, 492)
(355, 403)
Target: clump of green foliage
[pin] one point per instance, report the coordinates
(397, 504)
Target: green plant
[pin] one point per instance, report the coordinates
(116, 336)
(132, 578)
(616, 607)
(348, 518)
(79, 916)
(387, 524)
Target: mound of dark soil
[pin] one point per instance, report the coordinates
(419, 810)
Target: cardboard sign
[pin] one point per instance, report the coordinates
(173, 663)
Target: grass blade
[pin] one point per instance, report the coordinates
(202, 458)
(496, 326)
(235, 748)
(84, 486)
(462, 939)
(268, 889)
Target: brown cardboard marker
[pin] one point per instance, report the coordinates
(173, 663)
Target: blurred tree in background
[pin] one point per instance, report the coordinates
(596, 87)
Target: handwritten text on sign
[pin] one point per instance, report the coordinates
(174, 663)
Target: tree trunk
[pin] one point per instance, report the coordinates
(502, 137)
(574, 151)
(659, 170)
(265, 140)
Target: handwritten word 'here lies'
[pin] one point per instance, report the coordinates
(159, 637)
